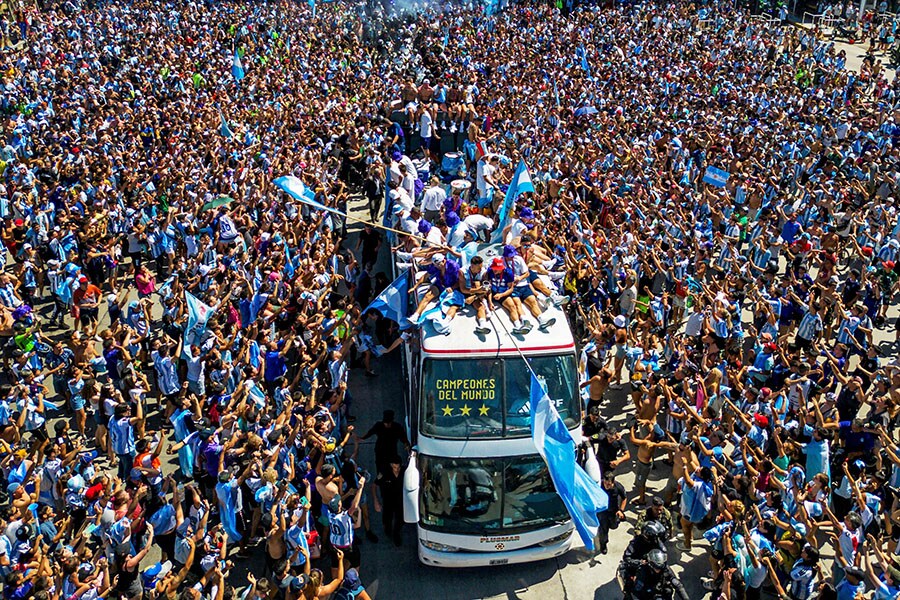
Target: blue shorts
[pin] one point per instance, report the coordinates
(76, 402)
(522, 292)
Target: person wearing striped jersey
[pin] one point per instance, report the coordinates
(810, 325)
(341, 526)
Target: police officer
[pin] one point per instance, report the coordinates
(652, 579)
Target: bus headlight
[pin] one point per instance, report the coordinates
(439, 547)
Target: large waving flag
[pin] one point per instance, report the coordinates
(297, 190)
(581, 53)
(237, 69)
(392, 302)
(583, 496)
(521, 183)
(312, 7)
(198, 315)
(224, 129)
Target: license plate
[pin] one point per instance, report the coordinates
(499, 561)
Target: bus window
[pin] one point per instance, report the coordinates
(462, 496)
(472, 496)
(463, 398)
(529, 496)
(559, 373)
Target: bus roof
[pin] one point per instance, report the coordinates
(463, 341)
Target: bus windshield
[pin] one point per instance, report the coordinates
(490, 397)
(471, 496)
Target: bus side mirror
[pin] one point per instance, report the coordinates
(591, 465)
(411, 480)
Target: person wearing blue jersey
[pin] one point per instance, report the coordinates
(121, 429)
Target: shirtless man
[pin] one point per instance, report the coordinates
(597, 386)
(275, 527)
(646, 448)
(328, 483)
(681, 453)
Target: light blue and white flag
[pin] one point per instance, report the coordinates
(583, 496)
(312, 7)
(392, 302)
(224, 129)
(716, 177)
(237, 69)
(297, 190)
(521, 183)
(198, 315)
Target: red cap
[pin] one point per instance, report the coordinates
(765, 391)
(19, 222)
(771, 347)
(761, 420)
(867, 250)
(888, 264)
(497, 264)
(82, 279)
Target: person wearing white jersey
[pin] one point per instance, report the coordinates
(341, 526)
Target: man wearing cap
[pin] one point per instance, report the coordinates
(502, 285)
(442, 278)
(341, 527)
(887, 279)
(86, 299)
(351, 588)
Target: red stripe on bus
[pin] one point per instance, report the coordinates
(484, 351)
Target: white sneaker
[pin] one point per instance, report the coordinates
(453, 128)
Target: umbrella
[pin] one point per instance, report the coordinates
(586, 110)
(220, 201)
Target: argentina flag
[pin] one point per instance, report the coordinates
(583, 496)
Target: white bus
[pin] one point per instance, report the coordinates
(475, 486)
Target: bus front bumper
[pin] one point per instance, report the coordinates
(463, 558)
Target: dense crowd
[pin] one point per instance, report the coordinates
(714, 205)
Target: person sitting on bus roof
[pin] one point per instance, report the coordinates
(522, 291)
(534, 259)
(473, 285)
(518, 226)
(502, 279)
(442, 277)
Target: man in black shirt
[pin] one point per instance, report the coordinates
(611, 450)
(370, 241)
(615, 510)
(388, 496)
(593, 426)
(387, 433)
